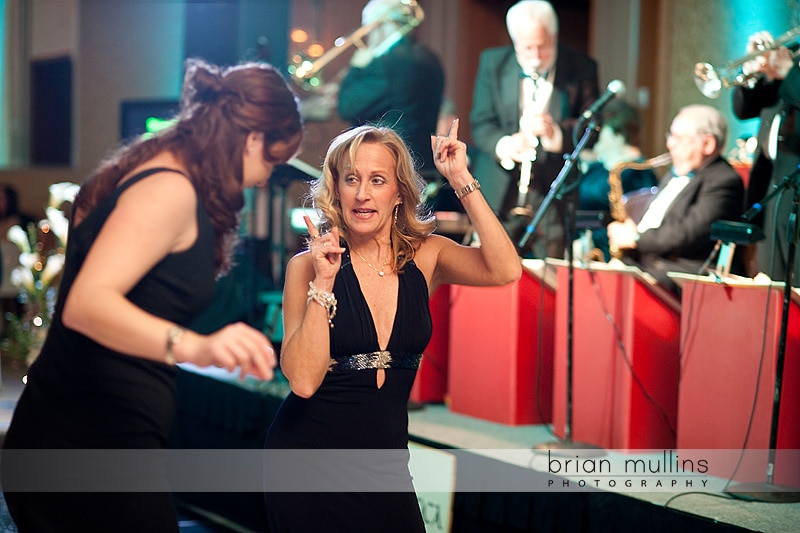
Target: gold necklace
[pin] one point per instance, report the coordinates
(380, 272)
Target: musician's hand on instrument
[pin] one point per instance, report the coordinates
(362, 57)
(523, 145)
(755, 43)
(515, 148)
(779, 63)
(589, 155)
(622, 235)
(536, 125)
(758, 41)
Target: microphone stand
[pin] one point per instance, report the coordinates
(555, 190)
(768, 491)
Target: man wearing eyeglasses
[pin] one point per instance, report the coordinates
(674, 234)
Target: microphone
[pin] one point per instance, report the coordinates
(786, 182)
(614, 88)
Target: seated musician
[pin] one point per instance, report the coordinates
(616, 148)
(674, 233)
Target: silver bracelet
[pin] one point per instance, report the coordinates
(174, 336)
(466, 189)
(323, 298)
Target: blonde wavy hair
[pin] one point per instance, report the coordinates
(413, 221)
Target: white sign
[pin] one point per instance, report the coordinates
(434, 473)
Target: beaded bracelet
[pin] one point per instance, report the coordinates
(323, 298)
(466, 189)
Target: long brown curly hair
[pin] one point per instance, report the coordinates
(413, 222)
(219, 108)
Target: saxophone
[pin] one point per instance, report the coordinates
(615, 192)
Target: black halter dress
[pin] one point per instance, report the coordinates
(349, 413)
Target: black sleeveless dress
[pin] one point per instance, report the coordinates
(81, 395)
(349, 413)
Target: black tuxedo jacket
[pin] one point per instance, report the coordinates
(683, 240)
(776, 102)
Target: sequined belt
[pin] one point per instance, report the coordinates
(380, 359)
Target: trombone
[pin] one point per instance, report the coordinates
(407, 14)
(711, 81)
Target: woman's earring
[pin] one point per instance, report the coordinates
(396, 210)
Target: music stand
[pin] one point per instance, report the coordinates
(768, 491)
(555, 190)
(729, 235)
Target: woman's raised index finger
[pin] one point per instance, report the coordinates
(453, 133)
(312, 229)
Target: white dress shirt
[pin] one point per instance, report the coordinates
(654, 215)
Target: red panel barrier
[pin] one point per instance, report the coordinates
(625, 359)
(501, 350)
(730, 345)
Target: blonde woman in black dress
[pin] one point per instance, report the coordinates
(356, 321)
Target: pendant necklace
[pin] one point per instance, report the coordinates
(380, 272)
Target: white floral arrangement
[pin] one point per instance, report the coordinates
(41, 260)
